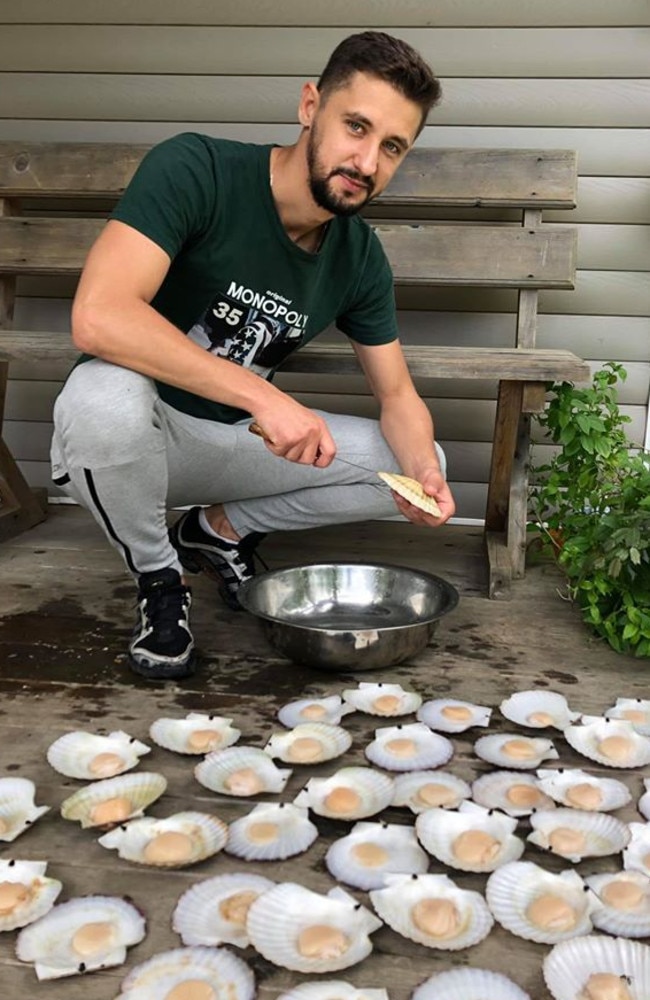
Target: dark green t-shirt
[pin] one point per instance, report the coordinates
(237, 284)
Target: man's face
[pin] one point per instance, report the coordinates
(358, 137)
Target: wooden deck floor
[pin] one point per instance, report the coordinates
(66, 610)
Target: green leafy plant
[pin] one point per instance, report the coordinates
(592, 504)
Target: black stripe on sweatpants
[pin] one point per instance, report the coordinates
(107, 522)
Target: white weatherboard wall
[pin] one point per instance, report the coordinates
(515, 73)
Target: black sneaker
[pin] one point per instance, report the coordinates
(228, 563)
(162, 647)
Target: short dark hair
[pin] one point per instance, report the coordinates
(391, 59)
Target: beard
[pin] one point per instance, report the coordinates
(321, 187)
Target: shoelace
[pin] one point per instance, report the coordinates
(167, 605)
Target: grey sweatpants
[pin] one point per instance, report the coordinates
(128, 457)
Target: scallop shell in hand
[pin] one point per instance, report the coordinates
(538, 709)
(382, 699)
(197, 733)
(350, 793)
(472, 839)
(200, 973)
(578, 789)
(370, 850)
(613, 742)
(89, 757)
(214, 911)
(309, 743)
(469, 984)
(114, 800)
(329, 710)
(421, 790)
(596, 967)
(574, 834)
(271, 831)
(513, 792)
(25, 893)
(636, 855)
(512, 750)
(17, 808)
(241, 771)
(179, 840)
(412, 491)
(623, 903)
(449, 715)
(411, 747)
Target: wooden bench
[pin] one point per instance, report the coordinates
(54, 197)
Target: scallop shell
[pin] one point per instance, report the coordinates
(636, 856)
(613, 742)
(305, 931)
(380, 698)
(197, 733)
(309, 743)
(351, 793)
(332, 989)
(114, 800)
(578, 789)
(270, 832)
(25, 893)
(216, 972)
(538, 905)
(450, 715)
(433, 911)
(409, 748)
(81, 935)
(371, 850)
(513, 792)
(575, 834)
(421, 790)
(214, 911)
(411, 490)
(644, 801)
(17, 808)
(513, 750)
(570, 965)
(469, 984)
(623, 903)
(175, 842)
(634, 710)
(241, 771)
(472, 839)
(538, 710)
(329, 710)
(88, 756)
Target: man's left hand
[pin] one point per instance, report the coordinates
(436, 486)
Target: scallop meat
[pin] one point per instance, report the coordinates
(513, 750)
(634, 710)
(575, 834)
(26, 893)
(636, 855)
(578, 789)
(271, 831)
(329, 710)
(309, 743)
(612, 742)
(421, 790)
(89, 757)
(174, 842)
(472, 839)
(351, 793)
(241, 772)
(196, 973)
(214, 911)
(371, 850)
(411, 747)
(469, 984)
(449, 715)
(18, 810)
(513, 792)
(597, 967)
(623, 903)
(332, 989)
(538, 710)
(197, 733)
(379, 698)
(114, 800)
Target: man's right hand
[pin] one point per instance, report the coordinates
(295, 432)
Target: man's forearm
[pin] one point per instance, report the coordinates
(408, 427)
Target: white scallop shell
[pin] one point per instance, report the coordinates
(370, 850)
(214, 911)
(25, 893)
(578, 789)
(17, 808)
(512, 750)
(270, 832)
(469, 984)
(89, 757)
(538, 710)
(634, 710)
(217, 968)
(623, 903)
(397, 905)
(309, 743)
(62, 943)
(514, 888)
(329, 710)
(380, 698)
(597, 739)
(114, 800)
(644, 802)
(241, 771)
(408, 748)
(332, 989)
(174, 842)
(636, 855)
(197, 733)
(568, 966)
(421, 790)
(442, 832)
(332, 929)
(450, 715)
(513, 792)
(350, 793)
(590, 835)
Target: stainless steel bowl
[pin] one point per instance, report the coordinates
(348, 616)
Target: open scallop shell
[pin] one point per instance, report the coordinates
(578, 789)
(90, 757)
(332, 989)
(513, 792)
(623, 906)
(571, 969)
(574, 834)
(411, 747)
(329, 710)
(412, 491)
(634, 710)
(636, 855)
(472, 839)
(371, 850)
(469, 984)
(511, 750)
(197, 733)
(421, 790)
(271, 831)
(305, 931)
(644, 801)
(382, 699)
(175, 842)
(309, 743)
(538, 710)
(209, 973)
(25, 893)
(114, 800)
(81, 935)
(17, 808)
(351, 793)
(613, 742)
(241, 771)
(450, 715)
(433, 911)
(538, 905)
(214, 911)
